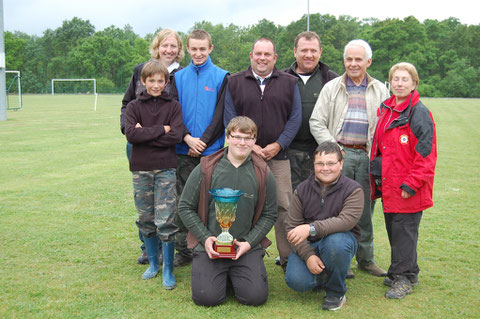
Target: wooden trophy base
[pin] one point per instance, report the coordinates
(225, 251)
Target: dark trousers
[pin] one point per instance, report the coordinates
(247, 274)
(301, 166)
(402, 230)
(185, 166)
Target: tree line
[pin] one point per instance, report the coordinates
(446, 53)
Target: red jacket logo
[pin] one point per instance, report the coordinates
(404, 139)
(209, 89)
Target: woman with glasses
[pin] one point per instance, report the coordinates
(403, 158)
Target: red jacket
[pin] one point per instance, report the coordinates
(405, 138)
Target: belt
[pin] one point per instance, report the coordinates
(356, 147)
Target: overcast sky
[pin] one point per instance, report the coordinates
(145, 16)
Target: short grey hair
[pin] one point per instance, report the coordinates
(363, 44)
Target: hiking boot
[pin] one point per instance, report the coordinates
(400, 288)
(413, 280)
(143, 259)
(350, 274)
(333, 303)
(181, 260)
(372, 269)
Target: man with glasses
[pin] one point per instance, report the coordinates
(322, 227)
(271, 98)
(235, 167)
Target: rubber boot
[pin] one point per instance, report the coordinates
(169, 281)
(151, 244)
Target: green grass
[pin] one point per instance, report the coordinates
(68, 240)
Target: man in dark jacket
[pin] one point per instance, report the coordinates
(272, 100)
(312, 75)
(321, 225)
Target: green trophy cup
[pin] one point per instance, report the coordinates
(225, 208)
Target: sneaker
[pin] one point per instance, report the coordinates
(400, 288)
(413, 280)
(372, 269)
(333, 303)
(277, 261)
(350, 274)
(181, 260)
(143, 259)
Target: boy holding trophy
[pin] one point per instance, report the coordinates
(237, 168)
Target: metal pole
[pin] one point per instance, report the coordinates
(3, 88)
(308, 15)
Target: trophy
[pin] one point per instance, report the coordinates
(225, 208)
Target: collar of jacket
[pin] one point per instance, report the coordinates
(249, 73)
(318, 186)
(294, 65)
(203, 66)
(403, 109)
(144, 96)
(412, 99)
(345, 77)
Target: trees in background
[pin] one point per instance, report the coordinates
(446, 53)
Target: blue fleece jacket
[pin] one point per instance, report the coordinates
(198, 88)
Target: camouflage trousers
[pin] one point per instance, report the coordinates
(301, 166)
(156, 201)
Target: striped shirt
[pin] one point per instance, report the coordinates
(355, 125)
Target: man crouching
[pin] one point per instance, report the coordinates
(321, 226)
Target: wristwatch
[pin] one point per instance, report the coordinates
(313, 231)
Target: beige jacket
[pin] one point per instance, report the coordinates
(329, 112)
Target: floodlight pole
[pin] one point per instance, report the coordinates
(3, 88)
(308, 15)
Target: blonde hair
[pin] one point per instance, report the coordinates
(242, 124)
(410, 68)
(158, 39)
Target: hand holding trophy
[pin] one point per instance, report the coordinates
(225, 209)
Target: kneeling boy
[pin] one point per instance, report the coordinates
(235, 167)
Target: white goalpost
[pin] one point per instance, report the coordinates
(73, 80)
(11, 85)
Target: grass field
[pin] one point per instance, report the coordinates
(68, 240)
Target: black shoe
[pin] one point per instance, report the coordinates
(400, 288)
(413, 280)
(333, 303)
(181, 260)
(350, 274)
(143, 259)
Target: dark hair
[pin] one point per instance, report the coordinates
(266, 40)
(200, 34)
(308, 35)
(329, 148)
(153, 67)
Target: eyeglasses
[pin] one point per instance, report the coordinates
(240, 138)
(329, 164)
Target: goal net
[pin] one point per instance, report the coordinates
(75, 86)
(13, 85)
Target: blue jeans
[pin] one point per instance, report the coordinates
(336, 252)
